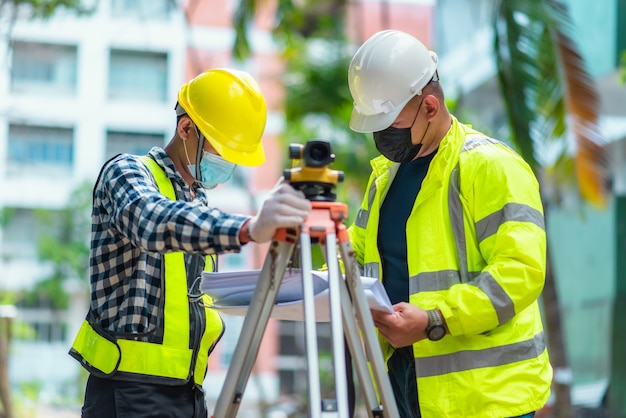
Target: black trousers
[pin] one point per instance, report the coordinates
(108, 398)
(401, 369)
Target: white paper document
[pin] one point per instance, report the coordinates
(232, 293)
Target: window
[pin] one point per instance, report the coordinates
(141, 9)
(40, 150)
(43, 68)
(131, 143)
(136, 75)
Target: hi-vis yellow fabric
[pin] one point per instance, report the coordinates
(476, 247)
(172, 360)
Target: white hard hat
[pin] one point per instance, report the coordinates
(387, 71)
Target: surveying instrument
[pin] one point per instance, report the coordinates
(347, 299)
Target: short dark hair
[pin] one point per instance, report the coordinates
(434, 88)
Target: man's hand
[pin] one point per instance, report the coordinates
(407, 325)
(284, 207)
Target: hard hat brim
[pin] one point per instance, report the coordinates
(373, 123)
(249, 158)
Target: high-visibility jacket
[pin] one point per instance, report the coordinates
(176, 359)
(476, 249)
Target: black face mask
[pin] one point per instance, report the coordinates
(396, 143)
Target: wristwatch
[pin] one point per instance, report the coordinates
(435, 329)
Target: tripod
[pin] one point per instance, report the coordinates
(325, 227)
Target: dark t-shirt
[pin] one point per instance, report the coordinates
(394, 213)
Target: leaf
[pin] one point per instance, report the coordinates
(46, 8)
(518, 39)
(243, 16)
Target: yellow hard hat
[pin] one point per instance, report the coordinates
(229, 109)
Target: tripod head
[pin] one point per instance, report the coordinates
(310, 173)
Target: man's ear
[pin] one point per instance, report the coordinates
(185, 125)
(432, 106)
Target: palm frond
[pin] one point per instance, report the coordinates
(547, 90)
(523, 55)
(582, 105)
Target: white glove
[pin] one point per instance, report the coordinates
(284, 207)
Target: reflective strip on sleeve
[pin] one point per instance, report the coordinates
(516, 212)
(473, 141)
(501, 301)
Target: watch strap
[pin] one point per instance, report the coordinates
(434, 318)
(435, 330)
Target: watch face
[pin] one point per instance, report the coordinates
(436, 332)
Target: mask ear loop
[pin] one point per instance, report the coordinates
(199, 154)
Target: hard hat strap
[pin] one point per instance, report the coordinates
(179, 110)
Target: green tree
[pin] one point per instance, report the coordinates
(64, 243)
(318, 103)
(31, 9)
(11, 10)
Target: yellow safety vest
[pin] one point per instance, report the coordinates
(172, 361)
(493, 362)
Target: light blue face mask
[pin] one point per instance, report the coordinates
(214, 170)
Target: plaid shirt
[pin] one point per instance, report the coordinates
(132, 226)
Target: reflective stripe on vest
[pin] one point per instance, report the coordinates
(172, 359)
